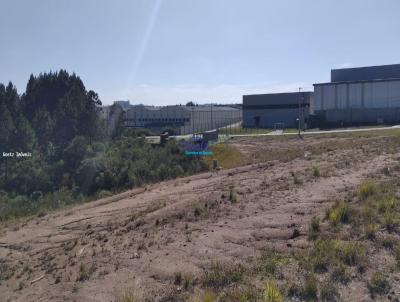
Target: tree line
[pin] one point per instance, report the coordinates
(73, 157)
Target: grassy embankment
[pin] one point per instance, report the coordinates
(227, 155)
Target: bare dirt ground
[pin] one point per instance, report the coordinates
(139, 240)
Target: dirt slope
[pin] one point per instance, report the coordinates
(139, 239)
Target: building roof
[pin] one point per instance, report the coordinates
(188, 108)
(357, 82)
(208, 108)
(278, 94)
(382, 72)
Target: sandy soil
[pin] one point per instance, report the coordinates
(139, 239)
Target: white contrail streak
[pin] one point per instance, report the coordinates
(143, 45)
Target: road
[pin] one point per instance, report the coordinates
(156, 139)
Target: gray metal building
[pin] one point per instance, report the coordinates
(279, 110)
(357, 96)
(124, 104)
(183, 119)
(366, 73)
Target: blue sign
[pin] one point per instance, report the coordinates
(195, 146)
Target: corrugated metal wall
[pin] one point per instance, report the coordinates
(182, 118)
(380, 94)
(358, 103)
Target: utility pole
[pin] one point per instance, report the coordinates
(212, 121)
(299, 118)
(192, 117)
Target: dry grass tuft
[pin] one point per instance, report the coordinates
(227, 155)
(271, 292)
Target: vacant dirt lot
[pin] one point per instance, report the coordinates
(143, 241)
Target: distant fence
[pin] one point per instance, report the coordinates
(191, 120)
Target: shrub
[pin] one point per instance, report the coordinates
(197, 211)
(294, 290)
(386, 171)
(178, 278)
(6, 271)
(386, 203)
(367, 189)
(232, 195)
(271, 292)
(21, 285)
(320, 263)
(221, 275)
(389, 242)
(321, 255)
(184, 280)
(326, 253)
(41, 213)
(339, 213)
(397, 256)
(389, 221)
(297, 180)
(314, 228)
(378, 284)
(269, 262)
(340, 274)
(128, 297)
(370, 231)
(310, 288)
(36, 195)
(316, 172)
(22, 206)
(350, 253)
(381, 205)
(83, 273)
(207, 296)
(392, 202)
(269, 267)
(103, 194)
(98, 147)
(368, 214)
(329, 292)
(242, 293)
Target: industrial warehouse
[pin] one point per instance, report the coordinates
(279, 110)
(359, 96)
(355, 96)
(182, 119)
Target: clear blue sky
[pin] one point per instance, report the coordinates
(173, 51)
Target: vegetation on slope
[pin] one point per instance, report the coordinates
(227, 155)
(73, 158)
(356, 242)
